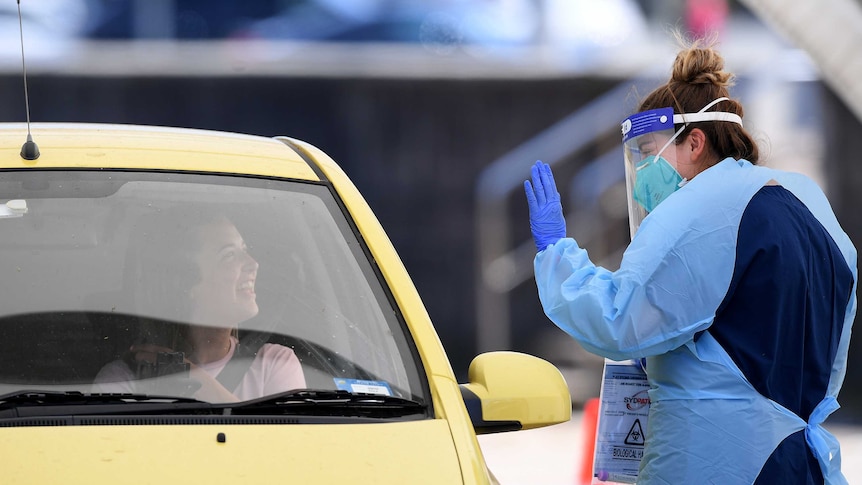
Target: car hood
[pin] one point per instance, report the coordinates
(414, 452)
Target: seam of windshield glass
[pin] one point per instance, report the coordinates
(299, 151)
(413, 351)
(390, 298)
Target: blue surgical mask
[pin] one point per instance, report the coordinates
(655, 180)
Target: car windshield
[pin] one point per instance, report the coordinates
(140, 282)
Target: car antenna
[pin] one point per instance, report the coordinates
(29, 151)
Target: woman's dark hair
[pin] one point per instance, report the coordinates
(698, 78)
(162, 269)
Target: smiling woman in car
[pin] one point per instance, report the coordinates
(195, 275)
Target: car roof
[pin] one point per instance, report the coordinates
(92, 145)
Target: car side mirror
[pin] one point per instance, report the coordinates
(509, 391)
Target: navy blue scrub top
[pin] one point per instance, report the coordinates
(787, 265)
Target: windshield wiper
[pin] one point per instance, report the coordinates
(54, 403)
(41, 398)
(305, 402)
(318, 402)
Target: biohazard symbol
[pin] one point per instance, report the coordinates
(636, 434)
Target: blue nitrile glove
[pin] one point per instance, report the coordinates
(546, 213)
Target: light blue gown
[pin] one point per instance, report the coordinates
(707, 423)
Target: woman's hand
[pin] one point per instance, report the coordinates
(211, 389)
(203, 386)
(147, 352)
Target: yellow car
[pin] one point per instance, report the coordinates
(188, 306)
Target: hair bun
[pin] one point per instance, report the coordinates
(700, 65)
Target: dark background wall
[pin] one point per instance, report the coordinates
(843, 140)
(414, 148)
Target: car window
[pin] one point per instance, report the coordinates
(82, 250)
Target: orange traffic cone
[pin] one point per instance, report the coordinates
(589, 423)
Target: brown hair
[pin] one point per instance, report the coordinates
(698, 78)
(161, 268)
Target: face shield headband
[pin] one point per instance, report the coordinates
(701, 115)
(646, 135)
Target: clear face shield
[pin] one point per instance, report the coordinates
(650, 178)
(650, 160)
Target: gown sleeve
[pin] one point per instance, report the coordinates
(672, 278)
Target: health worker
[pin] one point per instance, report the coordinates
(738, 287)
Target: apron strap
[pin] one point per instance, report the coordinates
(823, 444)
